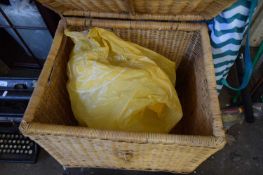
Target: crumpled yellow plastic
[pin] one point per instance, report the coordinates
(118, 85)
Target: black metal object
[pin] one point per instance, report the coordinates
(13, 54)
(14, 147)
(24, 27)
(50, 17)
(16, 83)
(257, 82)
(258, 91)
(16, 89)
(20, 37)
(14, 95)
(245, 93)
(13, 117)
(51, 20)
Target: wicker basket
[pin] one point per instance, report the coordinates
(49, 120)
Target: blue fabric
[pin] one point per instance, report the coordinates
(248, 62)
(227, 32)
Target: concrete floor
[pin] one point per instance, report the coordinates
(242, 156)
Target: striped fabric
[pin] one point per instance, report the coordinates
(227, 31)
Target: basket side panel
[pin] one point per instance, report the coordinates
(197, 90)
(202, 113)
(192, 87)
(172, 40)
(84, 152)
(49, 102)
(211, 109)
(172, 44)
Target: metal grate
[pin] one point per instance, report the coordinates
(9, 25)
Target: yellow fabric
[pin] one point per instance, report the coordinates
(118, 85)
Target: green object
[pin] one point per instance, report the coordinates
(255, 61)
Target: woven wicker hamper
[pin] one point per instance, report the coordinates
(49, 120)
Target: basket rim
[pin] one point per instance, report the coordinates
(150, 17)
(35, 128)
(150, 25)
(28, 127)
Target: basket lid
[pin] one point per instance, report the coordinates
(181, 10)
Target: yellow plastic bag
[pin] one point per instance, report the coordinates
(118, 85)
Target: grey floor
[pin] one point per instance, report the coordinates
(243, 155)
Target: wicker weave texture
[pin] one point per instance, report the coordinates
(49, 120)
(140, 9)
(84, 152)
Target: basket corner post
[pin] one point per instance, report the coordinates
(221, 142)
(24, 127)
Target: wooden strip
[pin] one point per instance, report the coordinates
(137, 16)
(136, 24)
